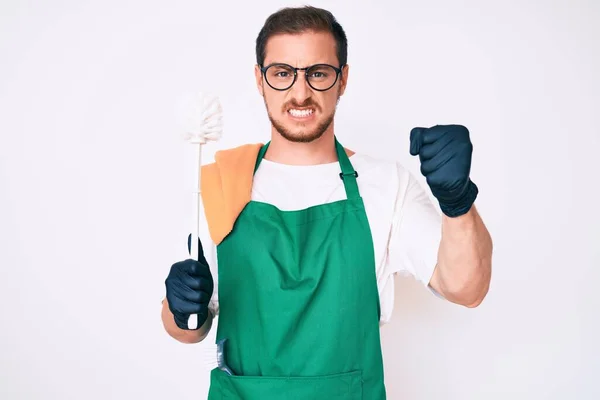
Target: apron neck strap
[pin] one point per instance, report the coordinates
(348, 174)
(261, 155)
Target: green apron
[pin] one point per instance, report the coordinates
(299, 304)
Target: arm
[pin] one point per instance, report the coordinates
(183, 335)
(463, 271)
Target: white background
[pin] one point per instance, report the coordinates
(95, 188)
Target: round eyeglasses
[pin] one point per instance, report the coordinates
(320, 77)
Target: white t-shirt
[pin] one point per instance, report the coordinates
(405, 225)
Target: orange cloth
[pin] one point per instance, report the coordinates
(227, 187)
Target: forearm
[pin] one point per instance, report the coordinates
(183, 335)
(464, 259)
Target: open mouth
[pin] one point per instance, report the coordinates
(301, 113)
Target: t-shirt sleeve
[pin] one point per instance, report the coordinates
(416, 230)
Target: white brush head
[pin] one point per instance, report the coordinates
(200, 117)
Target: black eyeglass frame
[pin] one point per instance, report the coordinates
(338, 71)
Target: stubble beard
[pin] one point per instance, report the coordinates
(303, 136)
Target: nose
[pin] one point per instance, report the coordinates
(301, 90)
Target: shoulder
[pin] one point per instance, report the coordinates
(380, 171)
(242, 154)
(226, 187)
(386, 184)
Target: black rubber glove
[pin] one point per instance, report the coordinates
(189, 288)
(445, 154)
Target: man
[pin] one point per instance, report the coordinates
(308, 235)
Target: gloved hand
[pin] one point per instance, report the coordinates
(189, 288)
(445, 154)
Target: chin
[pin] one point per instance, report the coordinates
(300, 137)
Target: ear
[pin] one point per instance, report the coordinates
(344, 78)
(259, 79)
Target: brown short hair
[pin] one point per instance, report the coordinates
(295, 20)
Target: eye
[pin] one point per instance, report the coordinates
(318, 74)
(321, 73)
(281, 72)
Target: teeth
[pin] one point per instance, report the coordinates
(301, 113)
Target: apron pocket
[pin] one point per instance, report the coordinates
(346, 386)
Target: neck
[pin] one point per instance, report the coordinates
(320, 151)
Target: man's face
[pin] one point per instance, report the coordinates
(301, 50)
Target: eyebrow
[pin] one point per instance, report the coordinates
(310, 65)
